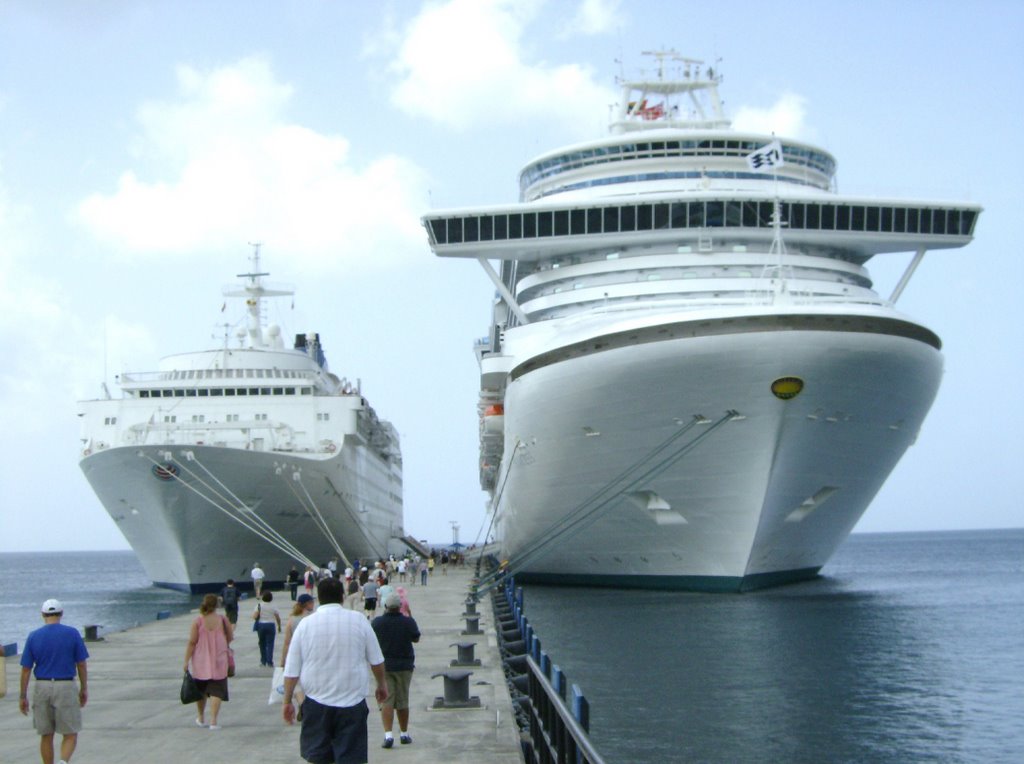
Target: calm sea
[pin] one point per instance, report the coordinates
(909, 649)
(109, 589)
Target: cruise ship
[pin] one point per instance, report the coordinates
(689, 380)
(252, 452)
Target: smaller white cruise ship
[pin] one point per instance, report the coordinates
(253, 453)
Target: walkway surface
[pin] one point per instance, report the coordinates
(134, 713)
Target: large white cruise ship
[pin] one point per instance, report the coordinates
(255, 453)
(689, 380)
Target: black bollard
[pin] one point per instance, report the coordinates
(465, 657)
(472, 625)
(456, 691)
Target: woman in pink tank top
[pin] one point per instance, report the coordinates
(207, 652)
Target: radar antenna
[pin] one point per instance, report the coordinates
(672, 55)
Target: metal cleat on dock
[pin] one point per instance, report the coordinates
(465, 656)
(456, 691)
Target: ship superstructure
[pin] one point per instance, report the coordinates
(236, 455)
(689, 380)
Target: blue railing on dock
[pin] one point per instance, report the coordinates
(555, 717)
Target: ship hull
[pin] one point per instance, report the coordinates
(671, 464)
(184, 538)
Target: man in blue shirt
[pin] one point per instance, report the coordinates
(56, 652)
(396, 634)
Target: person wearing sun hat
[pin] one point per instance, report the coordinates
(55, 653)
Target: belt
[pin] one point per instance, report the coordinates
(54, 679)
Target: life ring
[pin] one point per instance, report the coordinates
(331, 448)
(86, 452)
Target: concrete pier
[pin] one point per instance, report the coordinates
(134, 713)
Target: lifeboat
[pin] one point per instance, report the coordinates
(494, 419)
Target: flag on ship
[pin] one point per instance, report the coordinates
(768, 157)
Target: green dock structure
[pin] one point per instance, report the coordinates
(134, 713)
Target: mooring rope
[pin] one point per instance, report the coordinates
(497, 498)
(607, 487)
(313, 511)
(586, 512)
(279, 542)
(243, 509)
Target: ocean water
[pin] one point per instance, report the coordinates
(910, 648)
(108, 589)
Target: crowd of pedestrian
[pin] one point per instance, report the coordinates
(329, 639)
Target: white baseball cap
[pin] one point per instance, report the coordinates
(52, 607)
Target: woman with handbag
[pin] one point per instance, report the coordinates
(266, 624)
(208, 653)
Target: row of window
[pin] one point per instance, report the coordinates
(201, 418)
(794, 155)
(216, 392)
(702, 214)
(687, 175)
(235, 374)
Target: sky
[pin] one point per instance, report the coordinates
(143, 145)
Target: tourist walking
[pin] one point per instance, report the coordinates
(229, 599)
(304, 605)
(257, 578)
(351, 591)
(266, 624)
(370, 598)
(328, 655)
(55, 653)
(396, 634)
(293, 582)
(206, 656)
(384, 588)
(309, 580)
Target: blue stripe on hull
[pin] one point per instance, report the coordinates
(716, 584)
(215, 587)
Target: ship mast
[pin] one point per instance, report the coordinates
(253, 291)
(687, 99)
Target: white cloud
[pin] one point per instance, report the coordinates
(227, 167)
(594, 17)
(784, 118)
(461, 64)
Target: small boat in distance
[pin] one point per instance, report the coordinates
(689, 380)
(235, 455)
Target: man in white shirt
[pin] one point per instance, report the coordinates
(257, 578)
(328, 654)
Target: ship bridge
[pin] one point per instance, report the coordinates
(859, 228)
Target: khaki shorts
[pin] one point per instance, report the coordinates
(55, 708)
(398, 689)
